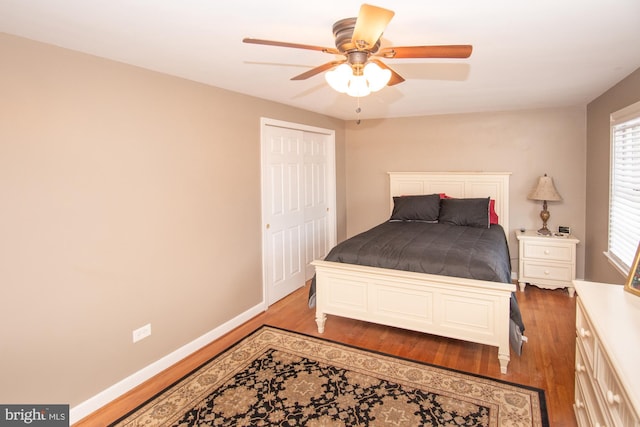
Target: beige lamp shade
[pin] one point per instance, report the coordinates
(545, 190)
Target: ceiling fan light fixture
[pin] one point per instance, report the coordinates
(376, 76)
(344, 79)
(338, 78)
(358, 87)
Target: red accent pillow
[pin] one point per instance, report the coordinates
(493, 216)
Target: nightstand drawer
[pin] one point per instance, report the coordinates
(548, 251)
(548, 271)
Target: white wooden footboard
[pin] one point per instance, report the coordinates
(465, 309)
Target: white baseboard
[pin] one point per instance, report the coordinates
(99, 400)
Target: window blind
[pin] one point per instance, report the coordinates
(624, 203)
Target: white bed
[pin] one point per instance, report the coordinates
(466, 309)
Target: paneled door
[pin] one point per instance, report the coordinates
(298, 197)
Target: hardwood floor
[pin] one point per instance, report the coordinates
(547, 360)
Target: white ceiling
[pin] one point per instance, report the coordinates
(527, 53)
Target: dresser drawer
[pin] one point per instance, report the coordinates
(586, 406)
(548, 271)
(585, 336)
(548, 251)
(616, 401)
(582, 366)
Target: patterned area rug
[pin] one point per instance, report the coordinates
(277, 377)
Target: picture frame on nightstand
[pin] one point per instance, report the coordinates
(633, 281)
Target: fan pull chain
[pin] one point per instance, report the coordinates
(358, 109)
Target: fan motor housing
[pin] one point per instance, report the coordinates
(343, 33)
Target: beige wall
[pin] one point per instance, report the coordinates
(526, 143)
(599, 110)
(127, 197)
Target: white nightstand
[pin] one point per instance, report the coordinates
(548, 262)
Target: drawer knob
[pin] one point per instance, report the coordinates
(546, 272)
(579, 404)
(580, 367)
(546, 251)
(612, 398)
(584, 333)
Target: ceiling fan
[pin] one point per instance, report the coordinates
(358, 40)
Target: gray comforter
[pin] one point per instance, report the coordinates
(449, 250)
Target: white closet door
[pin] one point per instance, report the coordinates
(283, 200)
(316, 207)
(298, 180)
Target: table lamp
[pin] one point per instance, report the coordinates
(544, 191)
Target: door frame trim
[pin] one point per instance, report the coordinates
(330, 185)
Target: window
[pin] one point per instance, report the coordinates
(624, 196)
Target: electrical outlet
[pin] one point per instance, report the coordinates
(142, 332)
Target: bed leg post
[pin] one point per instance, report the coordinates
(320, 319)
(503, 358)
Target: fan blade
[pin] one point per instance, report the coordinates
(317, 70)
(450, 51)
(294, 45)
(395, 77)
(371, 23)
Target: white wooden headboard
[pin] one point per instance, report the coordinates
(456, 184)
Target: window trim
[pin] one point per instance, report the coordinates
(631, 112)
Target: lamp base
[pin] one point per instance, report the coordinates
(544, 216)
(544, 231)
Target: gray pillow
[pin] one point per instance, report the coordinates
(467, 212)
(416, 208)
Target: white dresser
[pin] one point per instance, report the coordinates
(607, 389)
(546, 261)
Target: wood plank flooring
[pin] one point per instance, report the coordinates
(547, 360)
